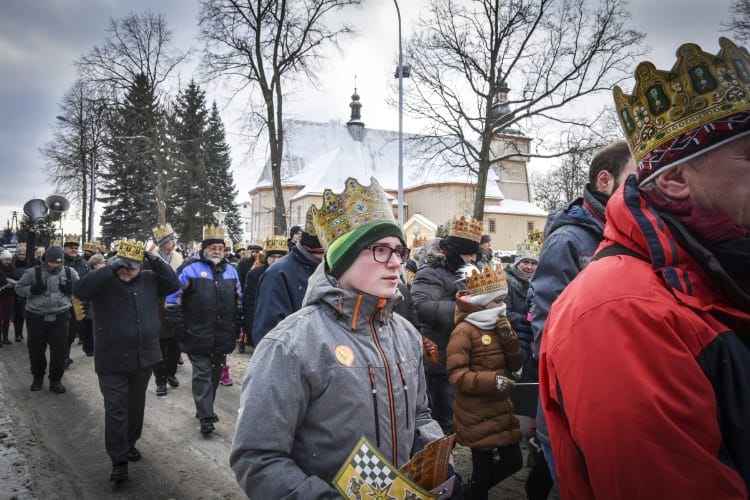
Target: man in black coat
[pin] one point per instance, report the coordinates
(78, 326)
(124, 301)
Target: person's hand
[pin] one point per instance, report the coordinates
(504, 329)
(150, 257)
(119, 263)
(38, 288)
(503, 384)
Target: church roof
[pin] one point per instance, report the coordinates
(322, 155)
(514, 207)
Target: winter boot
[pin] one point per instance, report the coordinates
(225, 379)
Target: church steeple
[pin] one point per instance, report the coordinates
(355, 124)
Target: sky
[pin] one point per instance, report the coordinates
(41, 39)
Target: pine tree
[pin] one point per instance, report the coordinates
(219, 173)
(127, 183)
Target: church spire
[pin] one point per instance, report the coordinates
(355, 124)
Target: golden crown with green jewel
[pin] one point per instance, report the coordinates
(355, 207)
(700, 88)
(276, 244)
(131, 250)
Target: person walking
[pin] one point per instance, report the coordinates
(206, 315)
(124, 301)
(8, 277)
(47, 288)
(21, 263)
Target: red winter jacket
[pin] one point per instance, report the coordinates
(645, 371)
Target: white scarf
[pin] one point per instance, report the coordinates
(486, 319)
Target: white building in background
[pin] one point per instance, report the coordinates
(246, 217)
(322, 155)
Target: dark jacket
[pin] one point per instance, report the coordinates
(405, 306)
(126, 318)
(434, 297)
(78, 263)
(6, 273)
(249, 294)
(648, 357)
(205, 313)
(281, 290)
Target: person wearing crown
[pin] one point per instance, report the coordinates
(282, 288)
(482, 352)
(276, 248)
(342, 367)
(434, 297)
(206, 316)
(645, 361)
(78, 327)
(165, 373)
(124, 300)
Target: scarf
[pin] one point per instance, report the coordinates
(486, 319)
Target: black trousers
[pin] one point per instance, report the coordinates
(86, 334)
(74, 330)
(491, 467)
(42, 333)
(124, 403)
(19, 315)
(170, 354)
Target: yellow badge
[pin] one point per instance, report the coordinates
(486, 339)
(204, 274)
(344, 355)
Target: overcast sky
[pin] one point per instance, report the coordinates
(40, 40)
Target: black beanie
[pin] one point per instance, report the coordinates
(54, 254)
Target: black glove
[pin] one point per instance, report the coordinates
(66, 287)
(38, 288)
(119, 263)
(150, 257)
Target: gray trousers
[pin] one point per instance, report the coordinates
(124, 403)
(206, 375)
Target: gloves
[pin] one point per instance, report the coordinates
(66, 287)
(118, 263)
(38, 288)
(504, 329)
(504, 385)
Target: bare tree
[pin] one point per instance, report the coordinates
(739, 20)
(265, 45)
(72, 155)
(138, 44)
(555, 53)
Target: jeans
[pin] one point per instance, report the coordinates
(547, 451)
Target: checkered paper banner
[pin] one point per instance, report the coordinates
(367, 474)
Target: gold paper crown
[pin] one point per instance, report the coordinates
(55, 243)
(355, 207)
(700, 88)
(213, 233)
(310, 222)
(276, 244)
(161, 231)
(72, 238)
(21, 246)
(131, 249)
(532, 245)
(91, 246)
(467, 228)
(489, 280)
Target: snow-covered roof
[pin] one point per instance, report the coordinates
(421, 220)
(323, 155)
(514, 207)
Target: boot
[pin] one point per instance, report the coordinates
(225, 379)
(6, 341)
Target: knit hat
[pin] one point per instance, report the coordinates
(521, 258)
(5, 255)
(675, 115)
(54, 254)
(351, 220)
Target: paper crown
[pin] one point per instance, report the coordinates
(131, 250)
(310, 222)
(699, 89)
(162, 232)
(55, 243)
(467, 228)
(531, 246)
(72, 239)
(213, 233)
(276, 244)
(355, 207)
(21, 246)
(91, 246)
(490, 279)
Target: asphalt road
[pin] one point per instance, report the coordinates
(52, 445)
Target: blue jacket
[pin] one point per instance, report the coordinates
(206, 312)
(281, 290)
(572, 235)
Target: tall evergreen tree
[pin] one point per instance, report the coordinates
(127, 184)
(219, 173)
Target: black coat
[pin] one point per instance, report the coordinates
(7, 272)
(249, 293)
(126, 316)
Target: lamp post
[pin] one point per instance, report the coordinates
(401, 72)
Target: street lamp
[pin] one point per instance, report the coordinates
(401, 73)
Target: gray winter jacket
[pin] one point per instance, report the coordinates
(52, 300)
(340, 368)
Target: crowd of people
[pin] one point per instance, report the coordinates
(631, 322)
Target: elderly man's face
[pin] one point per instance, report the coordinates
(214, 252)
(721, 182)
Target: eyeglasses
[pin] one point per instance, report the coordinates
(383, 253)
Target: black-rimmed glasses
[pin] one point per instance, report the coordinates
(383, 253)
